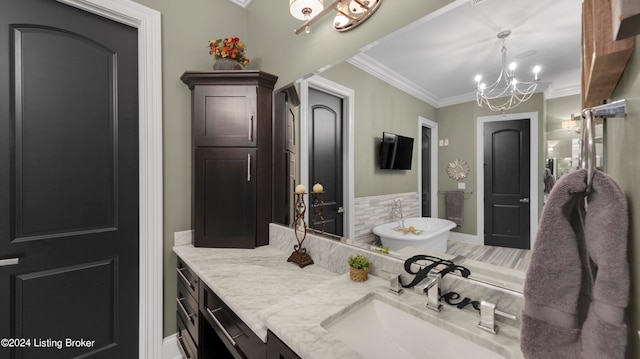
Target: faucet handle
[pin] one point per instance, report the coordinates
(488, 314)
(394, 282)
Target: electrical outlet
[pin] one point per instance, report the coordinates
(441, 143)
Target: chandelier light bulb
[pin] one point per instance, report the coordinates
(506, 92)
(477, 79)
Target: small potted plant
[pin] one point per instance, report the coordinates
(359, 268)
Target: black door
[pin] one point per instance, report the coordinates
(506, 184)
(325, 162)
(426, 171)
(68, 183)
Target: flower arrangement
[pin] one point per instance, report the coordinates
(230, 47)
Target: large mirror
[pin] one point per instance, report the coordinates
(419, 83)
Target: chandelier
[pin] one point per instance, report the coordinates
(507, 88)
(349, 13)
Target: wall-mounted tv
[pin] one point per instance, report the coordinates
(395, 152)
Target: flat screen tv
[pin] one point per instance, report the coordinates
(395, 152)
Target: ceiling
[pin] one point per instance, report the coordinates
(436, 58)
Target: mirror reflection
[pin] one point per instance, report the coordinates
(419, 83)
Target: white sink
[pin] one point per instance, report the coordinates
(376, 329)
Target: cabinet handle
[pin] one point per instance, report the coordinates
(183, 349)
(251, 128)
(9, 262)
(184, 310)
(248, 167)
(184, 278)
(224, 330)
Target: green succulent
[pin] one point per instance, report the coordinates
(359, 262)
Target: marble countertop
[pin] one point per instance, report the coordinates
(250, 281)
(267, 292)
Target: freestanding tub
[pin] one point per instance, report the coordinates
(429, 233)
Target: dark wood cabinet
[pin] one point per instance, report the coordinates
(277, 349)
(232, 157)
(224, 333)
(187, 311)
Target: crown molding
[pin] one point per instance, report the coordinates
(563, 91)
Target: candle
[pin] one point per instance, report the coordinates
(301, 189)
(317, 188)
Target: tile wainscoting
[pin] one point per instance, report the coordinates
(375, 210)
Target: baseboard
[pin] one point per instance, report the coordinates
(465, 238)
(170, 347)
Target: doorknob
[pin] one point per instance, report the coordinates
(340, 210)
(524, 200)
(9, 262)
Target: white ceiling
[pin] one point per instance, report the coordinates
(436, 58)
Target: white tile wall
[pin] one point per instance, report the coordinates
(376, 210)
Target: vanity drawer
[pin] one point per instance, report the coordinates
(239, 339)
(186, 344)
(187, 308)
(188, 278)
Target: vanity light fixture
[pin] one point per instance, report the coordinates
(506, 86)
(349, 13)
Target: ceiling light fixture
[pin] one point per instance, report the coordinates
(349, 13)
(506, 86)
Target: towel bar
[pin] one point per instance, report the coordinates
(466, 193)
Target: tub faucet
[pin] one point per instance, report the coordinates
(396, 211)
(430, 287)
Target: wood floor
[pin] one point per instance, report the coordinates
(517, 259)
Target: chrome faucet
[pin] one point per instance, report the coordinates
(395, 286)
(430, 287)
(488, 314)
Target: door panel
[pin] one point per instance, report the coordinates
(68, 182)
(506, 181)
(426, 171)
(325, 162)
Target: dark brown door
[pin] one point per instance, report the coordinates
(325, 162)
(506, 184)
(426, 171)
(68, 183)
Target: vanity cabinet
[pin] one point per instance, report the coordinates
(224, 334)
(232, 132)
(277, 349)
(187, 311)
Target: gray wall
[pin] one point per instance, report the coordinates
(380, 107)
(623, 163)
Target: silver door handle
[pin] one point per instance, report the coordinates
(524, 200)
(9, 262)
(248, 167)
(251, 129)
(340, 210)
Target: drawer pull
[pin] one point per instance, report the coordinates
(9, 262)
(251, 129)
(184, 310)
(224, 330)
(183, 349)
(185, 278)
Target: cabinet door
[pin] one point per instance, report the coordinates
(225, 116)
(225, 197)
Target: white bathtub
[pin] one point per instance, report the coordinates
(431, 234)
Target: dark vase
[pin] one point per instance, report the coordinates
(226, 63)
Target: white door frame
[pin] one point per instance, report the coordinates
(348, 104)
(423, 122)
(533, 169)
(147, 21)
